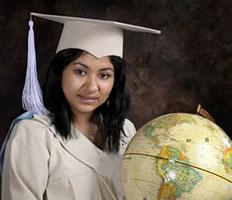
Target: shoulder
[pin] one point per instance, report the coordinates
(129, 128)
(27, 130)
(129, 132)
(35, 123)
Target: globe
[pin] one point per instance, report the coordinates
(178, 156)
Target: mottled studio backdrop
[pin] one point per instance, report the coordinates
(189, 63)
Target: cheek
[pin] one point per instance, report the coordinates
(69, 85)
(107, 88)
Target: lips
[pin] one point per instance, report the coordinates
(88, 99)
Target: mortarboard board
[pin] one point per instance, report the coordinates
(98, 37)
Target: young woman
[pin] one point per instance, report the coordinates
(75, 151)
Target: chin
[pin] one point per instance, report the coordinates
(87, 109)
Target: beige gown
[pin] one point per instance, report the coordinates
(40, 165)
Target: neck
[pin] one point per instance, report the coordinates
(88, 125)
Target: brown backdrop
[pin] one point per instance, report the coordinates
(189, 63)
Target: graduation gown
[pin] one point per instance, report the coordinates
(40, 165)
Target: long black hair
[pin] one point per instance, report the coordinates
(112, 112)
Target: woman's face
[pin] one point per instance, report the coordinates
(87, 83)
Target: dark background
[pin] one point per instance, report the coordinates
(190, 63)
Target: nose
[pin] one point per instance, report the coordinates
(92, 85)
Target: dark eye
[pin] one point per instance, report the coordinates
(104, 75)
(80, 72)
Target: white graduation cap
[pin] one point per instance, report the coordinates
(98, 37)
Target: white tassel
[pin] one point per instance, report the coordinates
(32, 95)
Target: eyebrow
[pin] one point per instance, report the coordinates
(86, 66)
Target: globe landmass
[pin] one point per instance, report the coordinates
(178, 156)
(177, 178)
